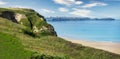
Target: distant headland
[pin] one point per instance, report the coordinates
(76, 19)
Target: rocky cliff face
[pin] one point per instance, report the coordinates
(29, 18)
(9, 15)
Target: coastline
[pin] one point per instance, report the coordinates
(106, 46)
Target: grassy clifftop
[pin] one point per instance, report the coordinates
(34, 22)
(42, 46)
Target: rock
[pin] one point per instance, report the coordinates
(9, 15)
(35, 29)
(18, 17)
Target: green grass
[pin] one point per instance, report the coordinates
(11, 48)
(56, 46)
(51, 45)
(10, 43)
(46, 47)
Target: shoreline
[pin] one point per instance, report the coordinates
(106, 46)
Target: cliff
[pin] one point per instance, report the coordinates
(36, 23)
(18, 28)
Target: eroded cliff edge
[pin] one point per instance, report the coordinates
(34, 22)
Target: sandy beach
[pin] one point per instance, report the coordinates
(107, 46)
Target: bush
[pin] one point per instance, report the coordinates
(43, 56)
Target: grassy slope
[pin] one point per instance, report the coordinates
(11, 37)
(51, 45)
(11, 48)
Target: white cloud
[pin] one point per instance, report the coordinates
(67, 2)
(81, 12)
(2, 3)
(94, 4)
(18, 6)
(47, 11)
(63, 10)
(78, 2)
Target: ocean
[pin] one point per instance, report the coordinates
(105, 31)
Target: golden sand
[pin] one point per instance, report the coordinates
(107, 46)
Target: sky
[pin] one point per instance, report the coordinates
(69, 8)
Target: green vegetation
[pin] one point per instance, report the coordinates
(16, 44)
(10, 43)
(11, 48)
(34, 22)
(43, 56)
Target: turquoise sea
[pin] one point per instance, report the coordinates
(89, 30)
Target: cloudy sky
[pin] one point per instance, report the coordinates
(69, 8)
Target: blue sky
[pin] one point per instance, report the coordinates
(69, 8)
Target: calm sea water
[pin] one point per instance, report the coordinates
(89, 30)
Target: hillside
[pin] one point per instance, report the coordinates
(32, 35)
(29, 18)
